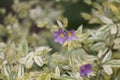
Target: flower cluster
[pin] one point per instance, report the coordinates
(61, 36)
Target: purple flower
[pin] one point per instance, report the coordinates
(59, 36)
(70, 35)
(85, 70)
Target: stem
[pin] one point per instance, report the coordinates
(97, 75)
(98, 71)
(85, 50)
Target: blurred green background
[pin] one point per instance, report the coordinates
(72, 9)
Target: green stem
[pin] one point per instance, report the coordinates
(97, 74)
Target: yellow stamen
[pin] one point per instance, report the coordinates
(62, 35)
(69, 34)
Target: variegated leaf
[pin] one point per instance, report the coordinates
(38, 60)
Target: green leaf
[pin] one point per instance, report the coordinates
(40, 51)
(86, 16)
(105, 19)
(107, 56)
(60, 23)
(2, 56)
(79, 30)
(6, 70)
(98, 46)
(42, 24)
(114, 63)
(67, 78)
(44, 76)
(65, 22)
(57, 71)
(25, 47)
(27, 76)
(108, 69)
(20, 71)
(29, 60)
(89, 2)
(101, 52)
(113, 29)
(104, 28)
(117, 41)
(38, 60)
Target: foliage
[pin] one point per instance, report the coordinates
(28, 50)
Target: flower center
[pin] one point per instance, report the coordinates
(83, 68)
(62, 35)
(69, 34)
